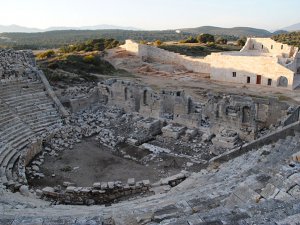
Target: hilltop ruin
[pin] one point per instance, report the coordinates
(205, 158)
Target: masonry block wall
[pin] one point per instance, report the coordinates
(262, 61)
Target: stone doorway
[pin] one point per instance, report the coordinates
(258, 79)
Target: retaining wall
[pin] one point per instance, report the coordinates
(265, 140)
(147, 52)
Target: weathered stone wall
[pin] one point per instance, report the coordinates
(284, 132)
(100, 193)
(262, 61)
(245, 115)
(81, 103)
(267, 45)
(171, 105)
(146, 52)
(223, 67)
(107, 192)
(294, 117)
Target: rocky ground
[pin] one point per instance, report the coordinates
(259, 187)
(96, 145)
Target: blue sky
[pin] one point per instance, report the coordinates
(151, 14)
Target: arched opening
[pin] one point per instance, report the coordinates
(190, 105)
(282, 82)
(126, 93)
(246, 114)
(145, 97)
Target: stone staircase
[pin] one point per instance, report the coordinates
(26, 112)
(259, 187)
(30, 101)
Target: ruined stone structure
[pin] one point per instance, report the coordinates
(29, 111)
(262, 61)
(173, 106)
(245, 115)
(259, 183)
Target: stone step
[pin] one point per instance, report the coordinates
(4, 159)
(11, 164)
(4, 116)
(22, 89)
(39, 105)
(9, 128)
(9, 119)
(34, 110)
(21, 131)
(15, 101)
(9, 124)
(17, 93)
(47, 118)
(45, 126)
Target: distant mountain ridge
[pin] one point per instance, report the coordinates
(235, 31)
(294, 27)
(20, 29)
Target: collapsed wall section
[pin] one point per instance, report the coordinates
(175, 106)
(245, 115)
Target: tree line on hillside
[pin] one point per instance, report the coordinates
(292, 38)
(91, 45)
(56, 39)
(210, 39)
(87, 46)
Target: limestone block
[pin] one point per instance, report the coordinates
(283, 196)
(67, 184)
(295, 192)
(132, 141)
(70, 189)
(104, 185)
(97, 185)
(146, 183)
(246, 194)
(111, 185)
(24, 190)
(270, 191)
(173, 131)
(131, 181)
(48, 190)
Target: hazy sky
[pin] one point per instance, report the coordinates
(151, 14)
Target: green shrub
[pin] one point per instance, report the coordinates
(158, 43)
(211, 44)
(46, 54)
(204, 38)
(190, 39)
(221, 41)
(241, 42)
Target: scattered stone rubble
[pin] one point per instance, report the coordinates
(259, 187)
(17, 64)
